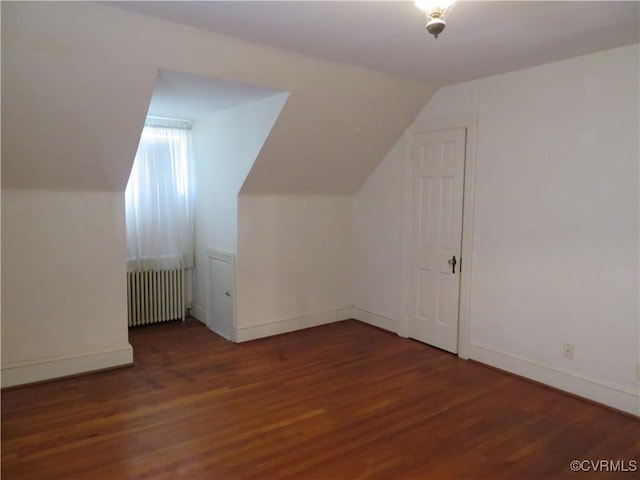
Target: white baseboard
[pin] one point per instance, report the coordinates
(50, 368)
(615, 396)
(244, 334)
(374, 319)
(199, 313)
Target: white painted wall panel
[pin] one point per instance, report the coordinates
(63, 280)
(294, 257)
(378, 238)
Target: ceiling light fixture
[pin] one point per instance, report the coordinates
(435, 11)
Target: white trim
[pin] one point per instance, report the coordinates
(374, 319)
(229, 258)
(199, 313)
(252, 332)
(470, 123)
(64, 366)
(600, 391)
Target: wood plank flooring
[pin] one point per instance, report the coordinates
(341, 401)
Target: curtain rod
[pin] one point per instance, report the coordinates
(153, 121)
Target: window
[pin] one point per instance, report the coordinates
(158, 198)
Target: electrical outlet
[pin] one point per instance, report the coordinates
(568, 351)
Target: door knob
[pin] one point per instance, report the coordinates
(452, 262)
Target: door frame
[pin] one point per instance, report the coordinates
(470, 123)
(230, 258)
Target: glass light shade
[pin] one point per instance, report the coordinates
(434, 5)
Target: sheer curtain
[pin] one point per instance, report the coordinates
(159, 206)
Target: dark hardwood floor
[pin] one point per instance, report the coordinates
(341, 401)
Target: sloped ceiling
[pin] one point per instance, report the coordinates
(78, 77)
(72, 104)
(190, 97)
(482, 37)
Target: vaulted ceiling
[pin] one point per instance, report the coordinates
(78, 77)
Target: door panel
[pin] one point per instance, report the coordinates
(436, 233)
(221, 304)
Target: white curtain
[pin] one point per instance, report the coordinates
(159, 206)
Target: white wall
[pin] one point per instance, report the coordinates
(225, 144)
(76, 86)
(555, 239)
(62, 292)
(294, 262)
(378, 243)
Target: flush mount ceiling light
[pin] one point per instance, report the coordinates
(435, 11)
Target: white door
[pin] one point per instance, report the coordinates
(220, 308)
(436, 236)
